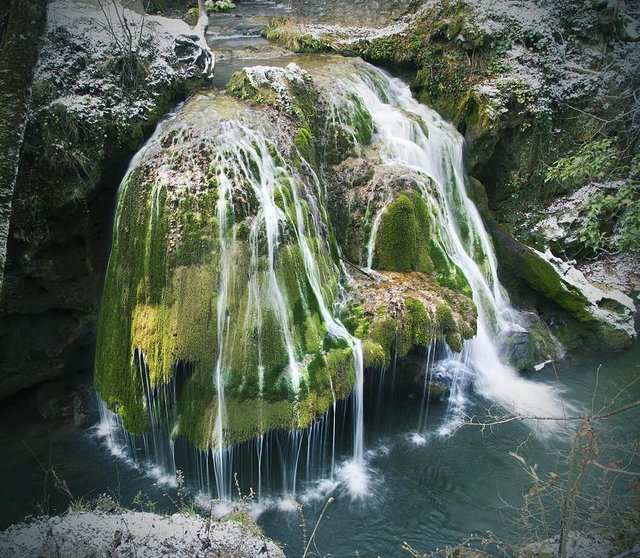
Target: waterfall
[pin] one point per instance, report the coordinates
(438, 153)
(265, 183)
(220, 459)
(269, 292)
(257, 189)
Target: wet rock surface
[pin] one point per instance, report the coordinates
(532, 347)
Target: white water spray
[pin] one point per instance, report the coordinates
(439, 155)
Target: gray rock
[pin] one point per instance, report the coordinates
(125, 533)
(533, 345)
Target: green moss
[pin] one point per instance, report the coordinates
(309, 330)
(304, 141)
(340, 367)
(448, 274)
(339, 143)
(197, 408)
(240, 86)
(350, 126)
(402, 242)
(307, 43)
(542, 276)
(454, 340)
(374, 355)
(274, 354)
(196, 218)
(417, 329)
(299, 102)
(196, 326)
(383, 333)
(354, 319)
(360, 118)
(250, 418)
(444, 318)
(448, 326)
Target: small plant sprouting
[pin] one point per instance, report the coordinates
(143, 501)
(242, 497)
(180, 481)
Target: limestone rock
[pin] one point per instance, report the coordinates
(127, 533)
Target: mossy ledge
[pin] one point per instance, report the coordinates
(397, 313)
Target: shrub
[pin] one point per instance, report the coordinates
(593, 161)
(613, 220)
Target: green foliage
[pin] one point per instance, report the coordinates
(191, 17)
(143, 502)
(613, 220)
(593, 161)
(308, 43)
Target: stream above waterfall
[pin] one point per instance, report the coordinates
(428, 493)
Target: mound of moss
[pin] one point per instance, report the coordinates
(397, 313)
(193, 280)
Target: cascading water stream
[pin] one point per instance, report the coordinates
(283, 208)
(219, 450)
(440, 156)
(356, 479)
(244, 161)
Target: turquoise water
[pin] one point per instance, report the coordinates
(439, 492)
(428, 490)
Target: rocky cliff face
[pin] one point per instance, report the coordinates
(94, 98)
(357, 12)
(21, 27)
